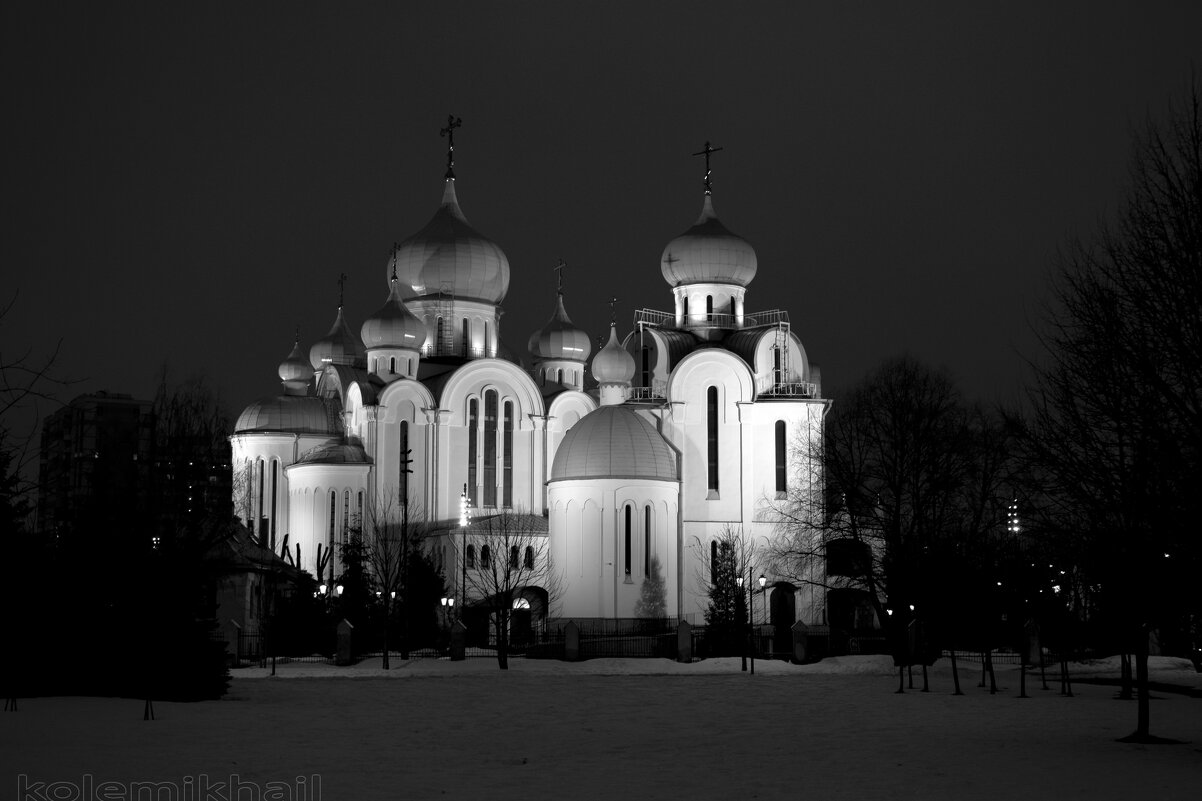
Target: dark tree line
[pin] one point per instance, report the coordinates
(1115, 437)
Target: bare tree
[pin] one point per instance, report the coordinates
(1116, 427)
(394, 534)
(508, 570)
(910, 470)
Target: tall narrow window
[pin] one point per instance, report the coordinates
(359, 512)
(392, 364)
(507, 458)
(714, 562)
(647, 541)
(467, 338)
(485, 557)
(711, 435)
(490, 448)
(406, 461)
(473, 424)
(514, 557)
(260, 509)
(487, 338)
(709, 307)
(469, 556)
(686, 309)
(781, 472)
(777, 378)
(645, 377)
(333, 512)
(629, 512)
(346, 516)
(529, 561)
(275, 466)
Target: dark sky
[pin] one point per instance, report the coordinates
(185, 182)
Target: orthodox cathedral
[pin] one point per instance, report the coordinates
(675, 434)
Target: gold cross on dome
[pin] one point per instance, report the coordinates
(559, 275)
(453, 122)
(706, 151)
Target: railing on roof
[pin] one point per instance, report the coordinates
(661, 319)
(794, 389)
(451, 349)
(656, 393)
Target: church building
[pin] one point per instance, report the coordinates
(677, 434)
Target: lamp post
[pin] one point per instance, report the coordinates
(763, 580)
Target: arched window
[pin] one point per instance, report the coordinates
(711, 436)
(507, 458)
(346, 516)
(777, 378)
(406, 461)
(781, 450)
(469, 556)
(514, 557)
(358, 523)
(467, 338)
(713, 562)
(275, 466)
(473, 424)
(485, 557)
(487, 338)
(258, 524)
(645, 376)
(529, 561)
(629, 513)
(392, 364)
(709, 307)
(490, 448)
(333, 511)
(441, 345)
(647, 540)
(686, 308)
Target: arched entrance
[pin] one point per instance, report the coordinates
(782, 608)
(528, 617)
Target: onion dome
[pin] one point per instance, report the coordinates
(291, 414)
(559, 338)
(613, 442)
(393, 326)
(612, 364)
(339, 346)
(296, 367)
(707, 253)
(448, 256)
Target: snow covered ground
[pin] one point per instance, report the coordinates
(617, 729)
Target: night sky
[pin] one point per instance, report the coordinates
(184, 183)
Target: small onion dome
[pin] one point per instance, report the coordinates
(339, 346)
(292, 414)
(335, 453)
(296, 367)
(559, 338)
(612, 364)
(613, 442)
(448, 256)
(707, 253)
(393, 326)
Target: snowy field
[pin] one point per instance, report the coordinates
(615, 729)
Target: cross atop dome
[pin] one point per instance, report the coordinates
(453, 122)
(706, 151)
(559, 276)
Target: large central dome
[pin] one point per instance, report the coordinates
(448, 256)
(708, 253)
(613, 442)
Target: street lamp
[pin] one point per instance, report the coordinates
(764, 597)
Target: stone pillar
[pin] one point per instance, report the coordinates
(684, 642)
(800, 636)
(345, 655)
(571, 642)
